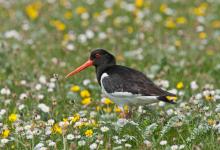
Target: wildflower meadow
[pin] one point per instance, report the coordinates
(174, 42)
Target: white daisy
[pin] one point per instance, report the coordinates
(43, 107)
(70, 137)
(104, 129)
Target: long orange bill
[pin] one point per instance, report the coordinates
(88, 63)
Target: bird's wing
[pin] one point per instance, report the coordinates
(124, 79)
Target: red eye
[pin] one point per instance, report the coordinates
(97, 55)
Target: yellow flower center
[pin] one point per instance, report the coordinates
(75, 88)
(89, 133)
(107, 101)
(12, 117)
(80, 10)
(60, 26)
(32, 10)
(84, 93)
(75, 118)
(5, 133)
(56, 129)
(139, 3)
(86, 101)
(181, 20)
(179, 85)
(170, 24)
(202, 35)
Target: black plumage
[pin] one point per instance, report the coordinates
(123, 80)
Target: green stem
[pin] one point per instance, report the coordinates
(64, 142)
(32, 143)
(18, 141)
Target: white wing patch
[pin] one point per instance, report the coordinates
(122, 94)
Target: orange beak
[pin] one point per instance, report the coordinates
(88, 63)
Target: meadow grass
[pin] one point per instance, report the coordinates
(175, 43)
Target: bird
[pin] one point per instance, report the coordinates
(123, 85)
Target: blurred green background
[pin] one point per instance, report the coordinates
(181, 38)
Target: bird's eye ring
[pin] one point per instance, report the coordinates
(97, 55)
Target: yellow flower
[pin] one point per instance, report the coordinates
(209, 97)
(130, 29)
(170, 24)
(32, 10)
(181, 20)
(68, 15)
(202, 35)
(56, 129)
(201, 9)
(216, 24)
(5, 133)
(171, 98)
(107, 109)
(126, 108)
(75, 88)
(117, 109)
(60, 26)
(80, 10)
(75, 118)
(107, 101)
(178, 43)
(180, 85)
(139, 3)
(89, 133)
(86, 101)
(12, 118)
(84, 93)
(163, 8)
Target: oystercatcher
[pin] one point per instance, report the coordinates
(121, 84)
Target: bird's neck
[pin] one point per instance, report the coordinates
(101, 69)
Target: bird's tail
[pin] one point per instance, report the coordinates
(169, 99)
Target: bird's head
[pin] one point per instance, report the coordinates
(98, 57)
